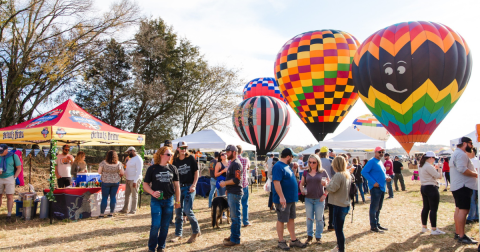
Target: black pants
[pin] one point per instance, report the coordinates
(431, 199)
(447, 176)
(64, 182)
(330, 214)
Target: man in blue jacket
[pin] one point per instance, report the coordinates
(375, 173)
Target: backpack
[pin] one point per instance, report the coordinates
(19, 181)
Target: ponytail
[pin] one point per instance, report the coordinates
(423, 160)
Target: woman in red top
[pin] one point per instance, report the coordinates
(446, 172)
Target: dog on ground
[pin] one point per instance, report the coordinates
(219, 206)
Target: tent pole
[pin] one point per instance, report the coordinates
(30, 170)
(50, 203)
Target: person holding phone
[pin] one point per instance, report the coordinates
(165, 191)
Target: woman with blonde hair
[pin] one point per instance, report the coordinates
(78, 165)
(339, 188)
(311, 186)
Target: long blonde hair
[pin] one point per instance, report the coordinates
(319, 163)
(79, 156)
(340, 166)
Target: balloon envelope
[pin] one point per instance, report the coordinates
(370, 126)
(266, 86)
(262, 121)
(410, 75)
(313, 73)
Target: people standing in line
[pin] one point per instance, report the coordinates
(233, 184)
(245, 168)
(78, 165)
(389, 171)
(133, 174)
(473, 213)
(188, 175)
(164, 181)
(327, 165)
(338, 189)
(269, 176)
(315, 195)
(213, 180)
(463, 181)
(64, 167)
(446, 172)
(221, 170)
(365, 181)
(429, 189)
(397, 170)
(376, 175)
(8, 162)
(111, 170)
(285, 195)
(301, 166)
(357, 173)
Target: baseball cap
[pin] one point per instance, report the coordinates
(182, 144)
(464, 140)
(378, 148)
(324, 149)
(167, 143)
(131, 148)
(3, 147)
(430, 154)
(288, 152)
(231, 148)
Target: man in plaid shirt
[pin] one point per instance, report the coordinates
(246, 166)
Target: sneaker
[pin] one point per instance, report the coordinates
(334, 249)
(424, 230)
(376, 230)
(230, 244)
(455, 237)
(176, 239)
(437, 232)
(297, 244)
(469, 222)
(309, 239)
(466, 240)
(283, 245)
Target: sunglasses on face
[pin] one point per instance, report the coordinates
(310, 162)
(66, 149)
(223, 154)
(381, 152)
(183, 148)
(168, 154)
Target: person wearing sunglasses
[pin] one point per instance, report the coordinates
(64, 167)
(315, 195)
(162, 182)
(374, 172)
(189, 174)
(133, 174)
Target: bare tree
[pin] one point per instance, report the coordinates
(44, 46)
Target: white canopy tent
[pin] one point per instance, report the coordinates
(472, 135)
(351, 139)
(311, 150)
(210, 140)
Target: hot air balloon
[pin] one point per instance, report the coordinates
(313, 72)
(262, 121)
(262, 87)
(370, 126)
(410, 75)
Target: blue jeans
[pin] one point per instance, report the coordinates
(339, 214)
(314, 209)
(162, 213)
(473, 213)
(300, 174)
(213, 188)
(186, 204)
(360, 189)
(245, 206)
(109, 189)
(221, 191)
(365, 186)
(234, 204)
(376, 202)
(389, 186)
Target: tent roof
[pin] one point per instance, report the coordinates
(211, 140)
(472, 135)
(70, 124)
(312, 149)
(352, 139)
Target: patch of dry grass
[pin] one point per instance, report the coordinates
(401, 215)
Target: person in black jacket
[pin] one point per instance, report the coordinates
(358, 179)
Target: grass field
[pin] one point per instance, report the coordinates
(401, 215)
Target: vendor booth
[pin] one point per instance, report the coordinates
(70, 124)
(350, 139)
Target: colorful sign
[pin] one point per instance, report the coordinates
(84, 119)
(45, 118)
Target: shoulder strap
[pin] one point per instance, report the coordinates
(15, 162)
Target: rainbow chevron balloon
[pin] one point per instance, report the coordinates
(410, 75)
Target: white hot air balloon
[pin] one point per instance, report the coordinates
(370, 126)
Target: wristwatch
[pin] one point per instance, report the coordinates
(177, 202)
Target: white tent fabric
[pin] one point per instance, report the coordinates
(210, 140)
(472, 135)
(311, 150)
(350, 139)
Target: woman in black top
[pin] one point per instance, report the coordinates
(221, 170)
(161, 181)
(358, 179)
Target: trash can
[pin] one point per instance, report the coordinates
(29, 206)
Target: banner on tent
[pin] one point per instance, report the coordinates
(35, 152)
(33, 135)
(27, 151)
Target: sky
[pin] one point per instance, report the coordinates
(248, 34)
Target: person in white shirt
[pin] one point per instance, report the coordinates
(64, 166)
(301, 166)
(133, 174)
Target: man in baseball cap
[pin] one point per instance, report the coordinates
(374, 172)
(285, 195)
(133, 175)
(8, 162)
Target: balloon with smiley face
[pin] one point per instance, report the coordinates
(410, 75)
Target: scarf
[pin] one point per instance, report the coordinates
(3, 164)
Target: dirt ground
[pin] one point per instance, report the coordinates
(130, 233)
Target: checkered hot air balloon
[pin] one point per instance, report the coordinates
(313, 73)
(266, 86)
(410, 75)
(262, 121)
(370, 126)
